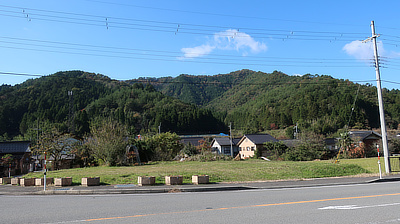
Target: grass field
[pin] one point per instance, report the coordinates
(223, 171)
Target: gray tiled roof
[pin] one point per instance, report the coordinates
(192, 140)
(225, 141)
(362, 135)
(14, 147)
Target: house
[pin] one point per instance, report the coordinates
(222, 145)
(62, 156)
(248, 144)
(364, 141)
(21, 154)
(365, 138)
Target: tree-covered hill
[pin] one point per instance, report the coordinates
(142, 108)
(257, 101)
(46, 98)
(199, 90)
(96, 96)
(252, 101)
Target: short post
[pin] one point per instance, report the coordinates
(379, 163)
(45, 170)
(9, 170)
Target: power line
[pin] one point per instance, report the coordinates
(189, 61)
(148, 25)
(218, 14)
(174, 54)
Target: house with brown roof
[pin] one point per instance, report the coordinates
(248, 144)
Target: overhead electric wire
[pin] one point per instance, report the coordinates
(223, 15)
(171, 23)
(184, 28)
(172, 27)
(19, 74)
(168, 54)
(177, 60)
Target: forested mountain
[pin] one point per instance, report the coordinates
(96, 96)
(257, 101)
(252, 101)
(142, 108)
(46, 98)
(199, 90)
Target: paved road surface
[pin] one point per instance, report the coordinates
(363, 203)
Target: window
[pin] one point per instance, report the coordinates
(252, 148)
(227, 150)
(248, 148)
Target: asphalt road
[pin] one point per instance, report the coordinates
(362, 203)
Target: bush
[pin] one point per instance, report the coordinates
(107, 142)
(160, 147)
(312, 147)
(274, 150)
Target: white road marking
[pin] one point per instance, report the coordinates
(350, 207)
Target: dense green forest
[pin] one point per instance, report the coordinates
(252, 101)
(139, 106)
(257, 101)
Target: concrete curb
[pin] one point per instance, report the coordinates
(127, 191)
(134, 189)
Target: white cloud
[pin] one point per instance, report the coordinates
(235, 40)
(226, 40)
(197, 51)
(362, 51)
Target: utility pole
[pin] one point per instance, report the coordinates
(71, 122)
(380, 100)
(45, 171)
(230, 137)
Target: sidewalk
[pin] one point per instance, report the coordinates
(134, 189)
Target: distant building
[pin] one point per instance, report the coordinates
(222, 145)
(248, 144)
(21, 154)
(365, 141)
(194, 141)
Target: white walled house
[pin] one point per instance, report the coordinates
(222, 145)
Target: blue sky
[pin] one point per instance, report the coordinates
(131, 39)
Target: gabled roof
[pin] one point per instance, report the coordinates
(258, 139)
(192, 140)
(364, 135)
(14, 147)
(225, 141)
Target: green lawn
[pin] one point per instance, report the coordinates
(223, 171)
